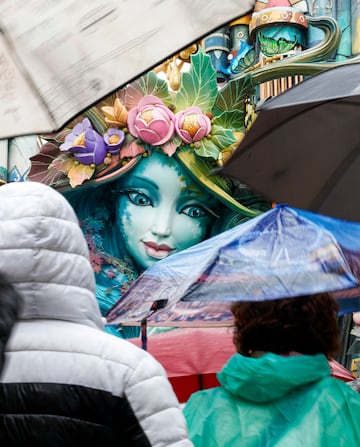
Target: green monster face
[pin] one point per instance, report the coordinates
(160, 211)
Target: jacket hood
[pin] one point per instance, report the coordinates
(44, 254)
(270, 377)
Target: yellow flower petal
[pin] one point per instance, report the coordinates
(79, 173)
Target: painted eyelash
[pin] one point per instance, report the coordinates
(132, 190)
(212, 212)
(126, 191)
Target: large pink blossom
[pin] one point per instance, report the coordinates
(192, 125)
(151, 121)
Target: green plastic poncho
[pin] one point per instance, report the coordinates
(275, 401)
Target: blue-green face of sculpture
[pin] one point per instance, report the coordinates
(161, 211)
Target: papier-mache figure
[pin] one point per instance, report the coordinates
(138, 170)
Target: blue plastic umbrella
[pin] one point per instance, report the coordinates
(285, 252)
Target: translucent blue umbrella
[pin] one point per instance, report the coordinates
(285, 252)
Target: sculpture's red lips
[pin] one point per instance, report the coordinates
(155, 246)
(157, 251)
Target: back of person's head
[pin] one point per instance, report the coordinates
(45, 255)
(307, 324)
(10, 303)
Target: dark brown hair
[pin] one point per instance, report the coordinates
(307, 324)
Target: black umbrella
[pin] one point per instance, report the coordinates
(304, 146)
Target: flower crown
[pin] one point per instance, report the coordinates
(146, 115)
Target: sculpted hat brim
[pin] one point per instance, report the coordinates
(197, 125)
(42, 172)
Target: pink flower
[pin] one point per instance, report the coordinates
(151, 121)
(192, 125)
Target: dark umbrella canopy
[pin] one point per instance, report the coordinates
(284, 252)
(304, 147)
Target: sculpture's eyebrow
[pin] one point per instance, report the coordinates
(138, 182)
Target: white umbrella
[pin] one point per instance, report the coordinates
(57, 61)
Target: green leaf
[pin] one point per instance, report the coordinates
(249, 59)
(58, 137)
(239, 65)
(270, 46)
(232, 96)
(149, 84)
(233, 119)
(222, 137)
(153, 85)
(198, 85)
(97, 119)
(207, 149)
(286, 45)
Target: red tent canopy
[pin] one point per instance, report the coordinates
(193, 356)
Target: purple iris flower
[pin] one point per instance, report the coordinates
(114, 139)
(86, 144)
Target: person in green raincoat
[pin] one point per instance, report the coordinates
(277, 390)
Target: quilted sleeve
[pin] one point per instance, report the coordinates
(155, 405)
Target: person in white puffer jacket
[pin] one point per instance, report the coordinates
(65, 381)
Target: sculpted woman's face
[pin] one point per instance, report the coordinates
(161, 211)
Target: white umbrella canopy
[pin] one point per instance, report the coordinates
(58, 61)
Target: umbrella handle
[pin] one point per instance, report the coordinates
(156, 305)
(144, 334)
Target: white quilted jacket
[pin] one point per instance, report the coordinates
(65, 380)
